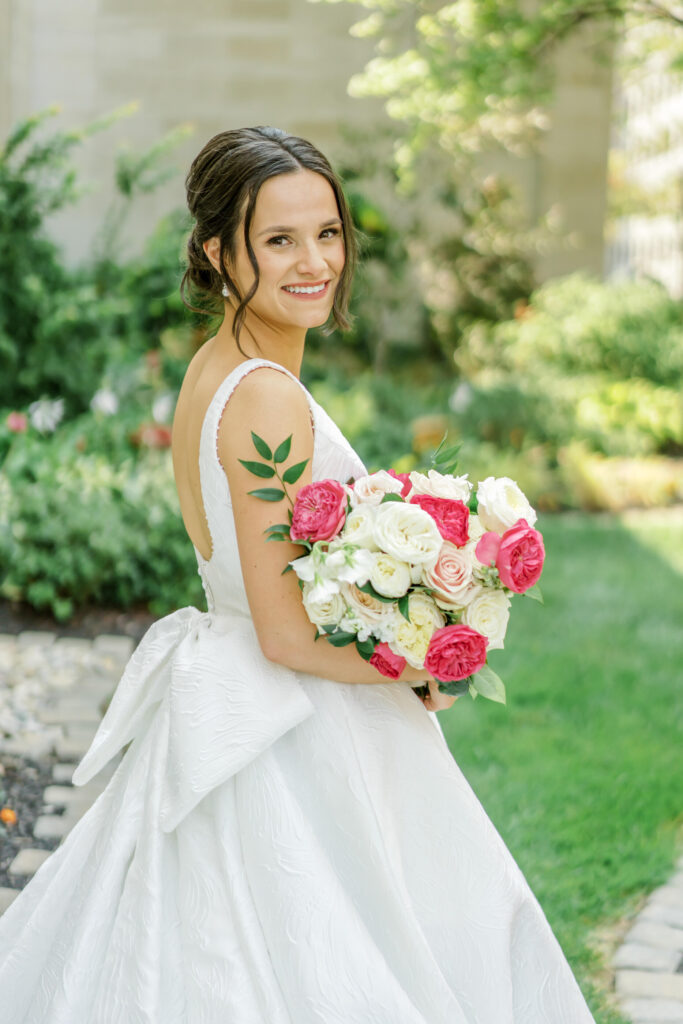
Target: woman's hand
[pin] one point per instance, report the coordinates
(435, 700)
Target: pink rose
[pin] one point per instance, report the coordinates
(386, 662)
(455, 652)
(319, 511)
(520, 557)
(17, 422)
(451, 576)
(487, 548)
(405, 480)
(451, 515)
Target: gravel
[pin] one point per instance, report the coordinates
(22, 782)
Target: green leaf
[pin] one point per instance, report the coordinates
(368, 588)
(488, 684)
(534, 593)
(258, 468)
(292, 474)
(277, 536)
(277, 527)
(341, 639)
(288, 568)
(268, 493)
(473, 692)
(261, 446)
(391, 496)
(282, 451)
(473, 504)
(366, 648)
(404, 605)
(454, 687)
(448, 454)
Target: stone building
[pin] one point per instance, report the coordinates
(228, 63)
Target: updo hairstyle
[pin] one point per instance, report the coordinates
(222, 185)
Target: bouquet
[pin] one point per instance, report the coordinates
(413, 568)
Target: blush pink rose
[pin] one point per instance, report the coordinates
(17, 422)
(405, 480)
(451, 515)
(386, 662)
(455, 652)
(520, 557)
(319, 511)
(488, 547)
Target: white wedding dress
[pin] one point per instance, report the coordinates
(274, 847)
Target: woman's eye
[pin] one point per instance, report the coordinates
(276, 238)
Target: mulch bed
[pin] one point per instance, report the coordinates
(86, 622)
(23, 784)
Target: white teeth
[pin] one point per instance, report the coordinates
(306, 291)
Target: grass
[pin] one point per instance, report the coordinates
(580, 772)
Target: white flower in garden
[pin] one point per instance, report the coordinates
(105, 401)
(326, 611)
(389, 576)
(411, 639)
(440, 485)
(501, 503)
(46, 415)
(461, 398)
(162, 408)
(371, 489)
(407, 532)
(488, 612)
(359, 527)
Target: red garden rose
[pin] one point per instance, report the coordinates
(520, 557)
(319, 511)
(405, 480)
(451, 515)
(386, 662)
(455, 652)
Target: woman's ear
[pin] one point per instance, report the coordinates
(212, 248)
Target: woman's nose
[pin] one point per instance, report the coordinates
(311, 259)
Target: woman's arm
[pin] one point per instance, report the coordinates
(274, 406)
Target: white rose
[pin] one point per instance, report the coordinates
(411, 639)
(359, 527)
(326, 611)
(451, 576)
(407, 532)
(440, 485)
(488, 612)
(368, 612)
(501, 503)
(371, 489)
(389, 576)
(475, 529)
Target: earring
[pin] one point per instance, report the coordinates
(225, 292)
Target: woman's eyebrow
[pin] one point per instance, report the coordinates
(281, 227)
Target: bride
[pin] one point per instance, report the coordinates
(286, 838)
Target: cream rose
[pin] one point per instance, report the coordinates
(407, 532)
(371, 489)
(440, 485)
(411, 639)
(367, 613)
(389, 576)
(488, 612)
(359, 527)
(501, 503)
(325, 611)
(451, 576)
(475, 529)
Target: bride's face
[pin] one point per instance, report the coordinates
(297, 237)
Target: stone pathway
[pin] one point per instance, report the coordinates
(61, 718)
(53, 692)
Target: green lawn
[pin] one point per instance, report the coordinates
(581, 771)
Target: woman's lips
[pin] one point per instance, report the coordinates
(310, 296)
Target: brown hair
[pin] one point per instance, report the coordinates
(224, 178)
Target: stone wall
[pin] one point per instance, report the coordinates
(227, 63)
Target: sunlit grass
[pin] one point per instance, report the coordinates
(580, 772)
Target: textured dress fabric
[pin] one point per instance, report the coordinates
(274, 847)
